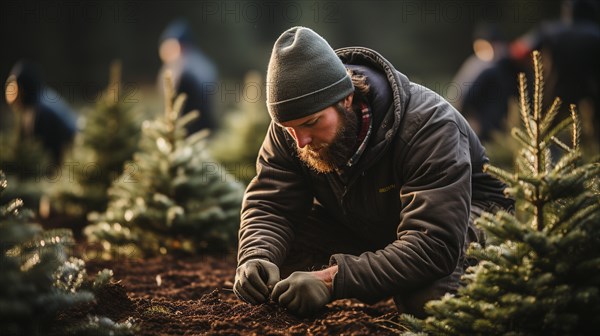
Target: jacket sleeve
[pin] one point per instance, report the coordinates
(435, 195)
(275, 199)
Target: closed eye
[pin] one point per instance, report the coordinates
(311, 122)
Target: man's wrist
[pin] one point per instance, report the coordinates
(326, 275)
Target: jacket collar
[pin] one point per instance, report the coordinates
(388, 99)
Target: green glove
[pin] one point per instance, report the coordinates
(302, 293)
(254, 280)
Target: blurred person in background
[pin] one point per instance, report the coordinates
(41, 113)
(488, 46)
(487, 82)
(193, 73)
(570, 50)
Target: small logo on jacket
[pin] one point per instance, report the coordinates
(387, 188)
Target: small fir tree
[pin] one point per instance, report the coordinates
(236, 145)
(40, 280)
(541, 273)
(173, 197)
(28, 165)
(22, 158)
(108, 140)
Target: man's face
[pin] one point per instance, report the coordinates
(325, 140)
(169, 50)
(11, 92)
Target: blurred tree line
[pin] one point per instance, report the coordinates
(74, 41)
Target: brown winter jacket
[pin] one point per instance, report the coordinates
(409, 193)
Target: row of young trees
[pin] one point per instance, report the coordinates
(149, 188)
(160, 192)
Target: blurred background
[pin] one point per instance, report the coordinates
(75, 41)
(440, 44)
(92, 138)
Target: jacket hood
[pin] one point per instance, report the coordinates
(385, 82)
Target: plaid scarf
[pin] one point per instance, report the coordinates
(363, 134)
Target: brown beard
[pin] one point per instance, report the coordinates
(336, 154)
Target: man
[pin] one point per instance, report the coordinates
(367, 174)
(193, 73)
(41, 113)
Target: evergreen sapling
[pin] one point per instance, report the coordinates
(540, 272)
(41, 280)
(108, 140)
(172, 197)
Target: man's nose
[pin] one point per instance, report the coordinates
(302, 139)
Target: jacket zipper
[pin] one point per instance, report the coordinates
(342, 198)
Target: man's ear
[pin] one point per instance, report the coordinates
(348, 100)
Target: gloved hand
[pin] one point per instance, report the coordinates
(254, 280)
(303, 293)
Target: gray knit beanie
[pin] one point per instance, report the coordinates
(304, 76)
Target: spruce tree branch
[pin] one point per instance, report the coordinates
(561, 144)
(550, 115)
(576, 126)
(538, 87)
(537, 110)
(556, 130)
(524, 102)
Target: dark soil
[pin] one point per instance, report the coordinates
(192, 296)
